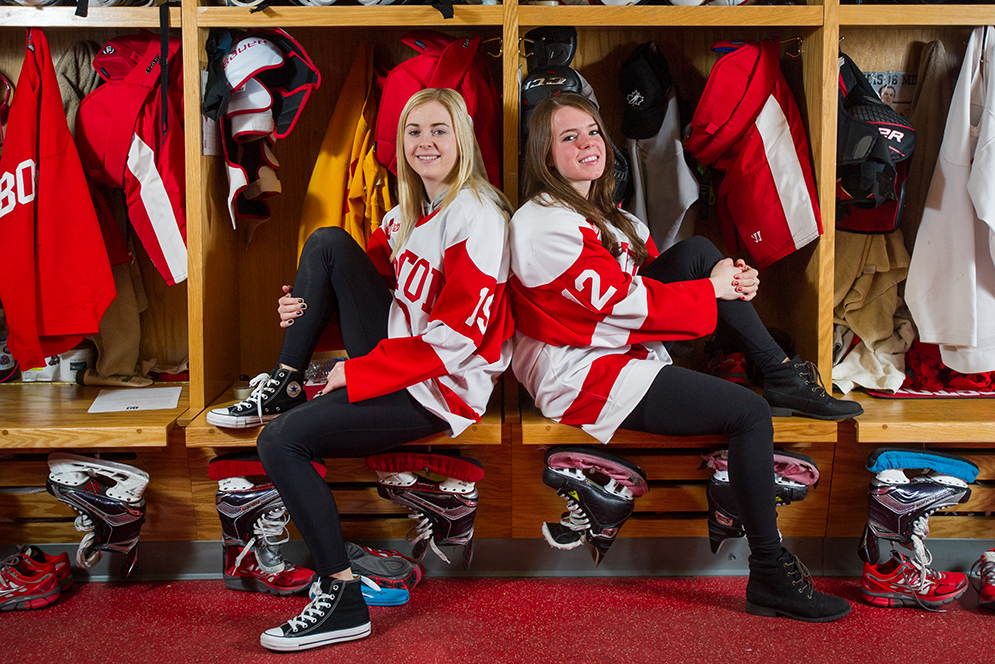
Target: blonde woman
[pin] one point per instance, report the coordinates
(427, 327)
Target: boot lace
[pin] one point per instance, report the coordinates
(86, 555)
(267, 528)
(812, 377)
(315, 610)
(575, 518)
(922, 582)
(800, 575)
(264, 386)
(425, 532)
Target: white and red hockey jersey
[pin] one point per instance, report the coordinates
(55, 277)
(748, 125)
(450, 327)
(589, 329)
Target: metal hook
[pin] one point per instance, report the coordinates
(795, 40)
(500, 46)
(523, 45)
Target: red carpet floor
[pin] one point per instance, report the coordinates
(457, 621)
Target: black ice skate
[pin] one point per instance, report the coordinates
(793, 474)
(900, 505)
(108, 498)
(254, 528)
(444, 510)
(273, 395)
(599, 488)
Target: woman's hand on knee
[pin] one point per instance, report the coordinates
(725, 280)
(336, 379)
(749, 281)
(290, 307)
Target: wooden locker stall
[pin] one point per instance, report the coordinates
(240, 284)
(884, 38)
(37, 418)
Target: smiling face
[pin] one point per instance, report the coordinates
(430, 145)
(578, 151)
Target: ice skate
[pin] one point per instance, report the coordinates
(909, 486)
(108, 498)
(254, 529)
(600, 490)
(793, 475)
(444, 511)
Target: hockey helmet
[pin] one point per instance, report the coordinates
(550, 46)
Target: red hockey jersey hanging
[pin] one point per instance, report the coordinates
(748, 125)
(55, 279)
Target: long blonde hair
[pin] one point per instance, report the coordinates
(468, 171)
(540, 178)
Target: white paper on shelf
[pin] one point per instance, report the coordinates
(147, 398)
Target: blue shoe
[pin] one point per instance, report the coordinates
(381, 596)
(376, 595)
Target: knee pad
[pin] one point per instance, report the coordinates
(108, 498)
(444, 510)
(793, 475)
(600, 490)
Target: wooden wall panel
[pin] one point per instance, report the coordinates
(39, 517)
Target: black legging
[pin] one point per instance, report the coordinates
(681, 402)
(335, 275)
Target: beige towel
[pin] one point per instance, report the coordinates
(869, 269)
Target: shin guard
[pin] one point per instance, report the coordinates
(444, 510)
(600, 490)
(108, 498)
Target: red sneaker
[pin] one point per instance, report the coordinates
(248, 576)
(35, 561)
(984, 569)
(23, 591)
(903, 582)
(730, 367)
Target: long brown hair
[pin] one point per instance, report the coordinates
(468, 171)
(541, 178)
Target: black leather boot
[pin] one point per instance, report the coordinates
(795, 388)
(783, 587)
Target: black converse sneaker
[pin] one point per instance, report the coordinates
(336, 613)
(274, 395)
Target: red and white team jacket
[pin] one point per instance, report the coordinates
(589, 329)
(450, 326)
(55, 277)
(748, 125)
(122, 144)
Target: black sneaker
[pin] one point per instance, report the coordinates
(274, 395)
(336, 613)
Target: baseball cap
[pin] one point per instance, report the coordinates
(645, 82)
